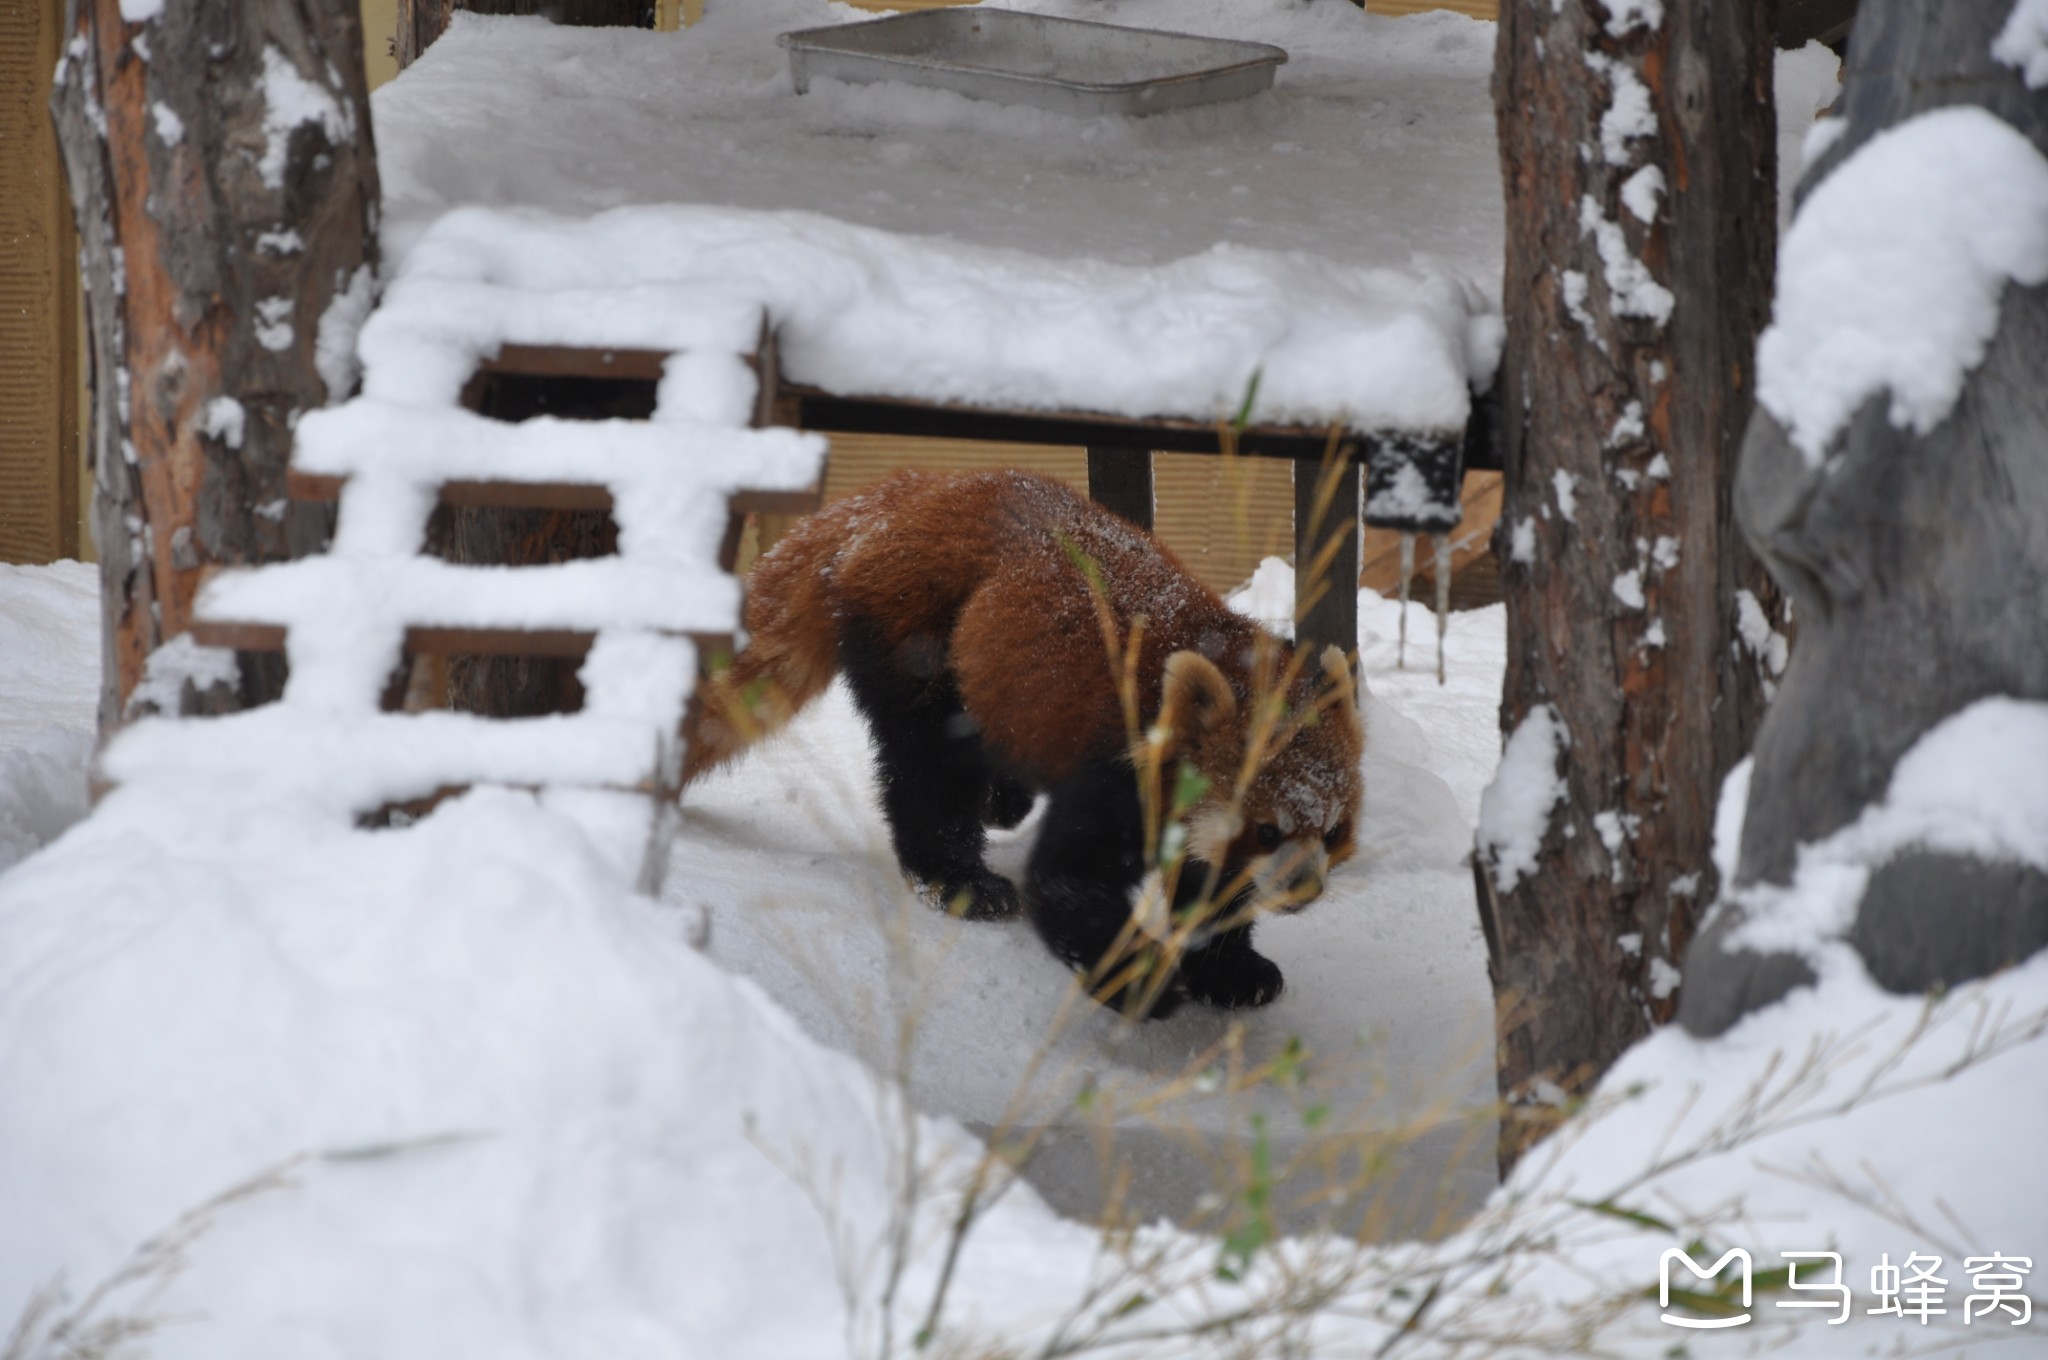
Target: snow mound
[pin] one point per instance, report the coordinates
(49, 677)
(1972, 785)
(1890, 277)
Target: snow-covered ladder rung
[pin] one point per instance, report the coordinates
(437, 640)
(591, 496)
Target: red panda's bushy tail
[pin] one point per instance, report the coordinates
(791, 654)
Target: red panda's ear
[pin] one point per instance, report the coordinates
(1196, 701)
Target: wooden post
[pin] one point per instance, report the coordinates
(1638, 154)
(1326, 603)
(1120, 479)
(224, 183)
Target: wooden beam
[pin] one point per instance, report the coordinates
(812, 408)
(316, 486)
(432, 640)
(1326, 602)
(1120, 480)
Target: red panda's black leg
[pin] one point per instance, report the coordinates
(933, 770)
(1227, 971)
(1084, 872)
(1009, 802)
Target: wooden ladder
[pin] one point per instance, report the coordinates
(677, 477)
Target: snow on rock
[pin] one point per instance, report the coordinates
(1729, 811)
(1628, 588)
(1972, 785)
(1890, 277)
(49, 690)
(2023, 42)
(1515, 812)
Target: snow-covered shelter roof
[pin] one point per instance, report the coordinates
(595, 186)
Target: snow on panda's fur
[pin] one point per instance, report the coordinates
(970, 637)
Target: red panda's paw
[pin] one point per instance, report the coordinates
(1233, 979)
(987, 896)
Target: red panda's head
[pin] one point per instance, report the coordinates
(1298, 815)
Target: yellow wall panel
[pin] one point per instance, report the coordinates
(39, 399)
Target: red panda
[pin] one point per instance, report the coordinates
(960, 609)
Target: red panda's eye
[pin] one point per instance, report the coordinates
(1337, 835)
(1269, 836)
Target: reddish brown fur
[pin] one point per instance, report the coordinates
(976, 567)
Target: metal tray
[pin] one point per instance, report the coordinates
(1066, 65)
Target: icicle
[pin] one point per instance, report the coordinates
(1443, 598)
(1407, 570)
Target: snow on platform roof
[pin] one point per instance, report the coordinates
(591, 183)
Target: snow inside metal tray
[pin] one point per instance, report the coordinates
(1066, 65)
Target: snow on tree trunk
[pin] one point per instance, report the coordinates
(225, 187)
(1637, 150)
(1895, 479)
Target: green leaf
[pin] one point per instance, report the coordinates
(1243, 418)
(1133, 1304)
(1635, 1216)
(1082, 562)
(1287, 1065)
(1189, 786)
(1315, 1115)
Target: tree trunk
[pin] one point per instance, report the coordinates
(422, 21)
(1639, 161)
(225, 187)
(1918, 565)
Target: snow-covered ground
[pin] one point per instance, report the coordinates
(518, 1113)
(49, 669)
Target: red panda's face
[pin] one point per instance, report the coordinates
(1297, 818)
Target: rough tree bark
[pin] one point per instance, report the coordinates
(225, 187)
(1639, 162)
(1918, 564)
